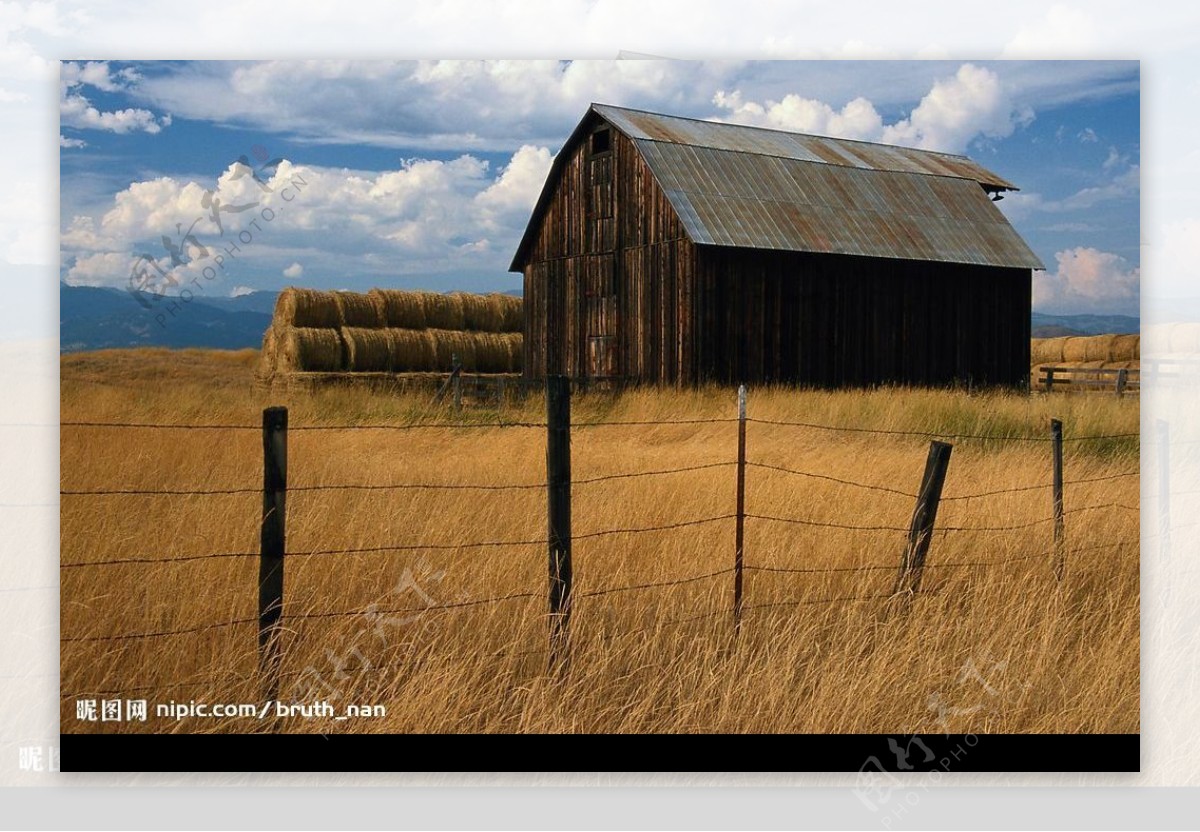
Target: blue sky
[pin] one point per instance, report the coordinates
(422, 174)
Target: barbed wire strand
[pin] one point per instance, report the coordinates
(641, 529)
(159, 633)
(344, 427)
(176, 559)
(615, 589)
(935, 434)
(863, 485)
(634, 474)
(821, 524)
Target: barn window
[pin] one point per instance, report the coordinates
(601, 141)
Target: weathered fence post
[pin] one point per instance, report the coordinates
(1060, 542)
(1049, 379)
(740, 532)
(456, 376)
(920, 531)
(558, 481)
(272, 543)
(1122, 380)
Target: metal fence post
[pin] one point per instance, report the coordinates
(1060, 542)
(272, 545)
(558, 479)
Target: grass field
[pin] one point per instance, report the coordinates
(992, 643)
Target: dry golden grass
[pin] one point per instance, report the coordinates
(1054, 657)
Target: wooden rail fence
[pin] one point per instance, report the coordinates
(1119, 380)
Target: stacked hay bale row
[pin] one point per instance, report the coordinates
(1089, 352)
(1090, 348)
(392, 331)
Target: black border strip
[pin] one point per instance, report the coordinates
(869, 754)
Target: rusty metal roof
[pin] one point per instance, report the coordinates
(638, 124)
(749, 187)
(745, 200)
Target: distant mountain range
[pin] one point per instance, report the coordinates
(1055, 326)
(93, 318)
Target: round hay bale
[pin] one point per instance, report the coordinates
(512, 311)
(481, 313)
(307, 308)
(401, 310)
(513, 342)
(359, 310)
(1099, 348)
(413, 350)
(1124, 348)
(1075, 349)
(312, 349)
(491, 352)
(1046, 350)
(268, 356)
(367, 350)
(449, 343)
(444, 311)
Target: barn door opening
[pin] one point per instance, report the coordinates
(602, 325)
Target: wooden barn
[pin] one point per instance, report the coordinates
(677, 251)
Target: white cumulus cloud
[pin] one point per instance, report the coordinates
(971, 104)
(76, 110)
(858, 119)
(1088, 280)
(428, 216)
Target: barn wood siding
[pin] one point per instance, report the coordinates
(609, 226)
(849, 321)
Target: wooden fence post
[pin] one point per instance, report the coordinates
(1060, 543)
(920, 530)
(558, 481)
(1122, 380)
(740, 533)
(272, 545)
(456, 375)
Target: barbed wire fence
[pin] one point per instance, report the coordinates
(273, 553)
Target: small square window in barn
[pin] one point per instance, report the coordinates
(601, 141)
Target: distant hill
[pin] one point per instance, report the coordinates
(1054, 331)
(1085, 324)
(249, 302)
(92, 318)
